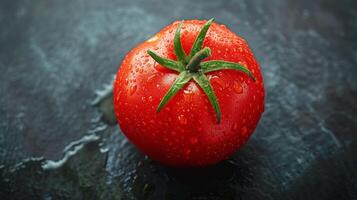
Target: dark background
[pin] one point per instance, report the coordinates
(56, 58)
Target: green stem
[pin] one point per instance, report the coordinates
(195, 69)
(194, 64)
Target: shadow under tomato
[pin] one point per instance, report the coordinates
(214, 182)
(230, 179)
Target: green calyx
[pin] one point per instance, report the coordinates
(191, 67)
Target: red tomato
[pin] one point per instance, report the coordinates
(188, 130)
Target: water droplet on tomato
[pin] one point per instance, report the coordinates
(218, 81)
(143, 99)
(132, 90)
(182, 119)
(193, 140)
(237, 87)
(188, 95)
(151, 77)
(153, 39)
(187, 91)
(206, 107)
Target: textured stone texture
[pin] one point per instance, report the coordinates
(55, 55)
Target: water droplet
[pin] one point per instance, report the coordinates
(150, 98)
(153, 39)
(182, 119)
(132, 90)
(218, 81)
(206, 107)
(140, 163)
(150, 78)
(193, 140)
(188, 95)
(187, 91)
(237, 87)
(143, 99)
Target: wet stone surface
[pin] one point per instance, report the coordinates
(58, 139)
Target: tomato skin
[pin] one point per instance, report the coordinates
(185, 132)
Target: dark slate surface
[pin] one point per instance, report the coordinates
(56, 55)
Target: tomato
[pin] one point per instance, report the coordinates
(191, 95)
